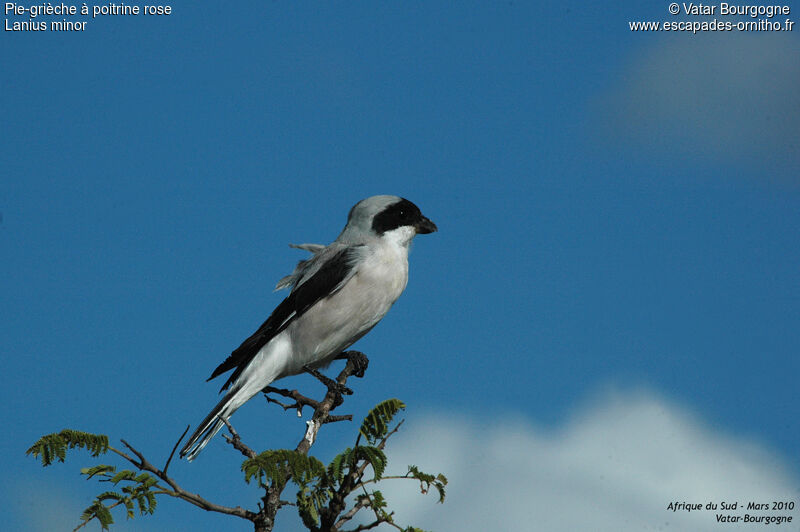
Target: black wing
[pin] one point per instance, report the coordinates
(326, 281)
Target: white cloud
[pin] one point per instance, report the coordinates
(45, 504)
(44, 508)
(729, 96)
(614, 466)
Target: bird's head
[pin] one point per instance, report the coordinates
(386, 217)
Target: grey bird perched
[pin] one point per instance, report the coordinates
(336, 297)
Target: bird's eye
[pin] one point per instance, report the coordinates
(403, 215)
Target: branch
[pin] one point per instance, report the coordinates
(353, 481)
(359, 473)
(334, 419)
(95, 517)
(372, 525)
(382, 444)
(264, 518)
(300, 399)
(362, 502)
(144, 465)
(333, 398)
(235, 440)
(166, 466)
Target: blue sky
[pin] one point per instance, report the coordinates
(613, 293)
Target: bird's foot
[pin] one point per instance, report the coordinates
(332, 385)
(358, 359)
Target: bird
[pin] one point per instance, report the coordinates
(337, 296)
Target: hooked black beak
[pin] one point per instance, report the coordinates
(425, 226)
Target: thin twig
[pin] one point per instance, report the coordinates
(355, 480)
(294, 406)
(358, 473)
(95, 517)
(144, 465)
(236, 441)
(166, 466)
(372, 525)
(142, 460)
(382, 444)
(360, 503)
(334, 419)
(292, 394)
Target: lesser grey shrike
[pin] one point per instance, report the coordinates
(336, 297)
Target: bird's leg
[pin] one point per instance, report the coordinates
(358, 359)
(357, 363)
(331, 384)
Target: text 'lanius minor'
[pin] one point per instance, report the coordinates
(337, 296)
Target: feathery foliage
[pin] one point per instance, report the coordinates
(54, 446)
(322, 490)
(275, 465)
(376, 425)
(98, 511)
(350, 458)
(426, 481)
(136, 493)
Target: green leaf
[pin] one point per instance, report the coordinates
(106, 495)
(340, 462)
(146, 502)
(141, 501)
(52, 447)
(125, 474)
(376, 425)
(101, 469)
(98, 511)
(275, 465)
(309, 503)
(376, 458)
(135, 494)
(377, 500)
(426, 481)
(349, 458)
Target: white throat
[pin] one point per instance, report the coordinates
(400, 237)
